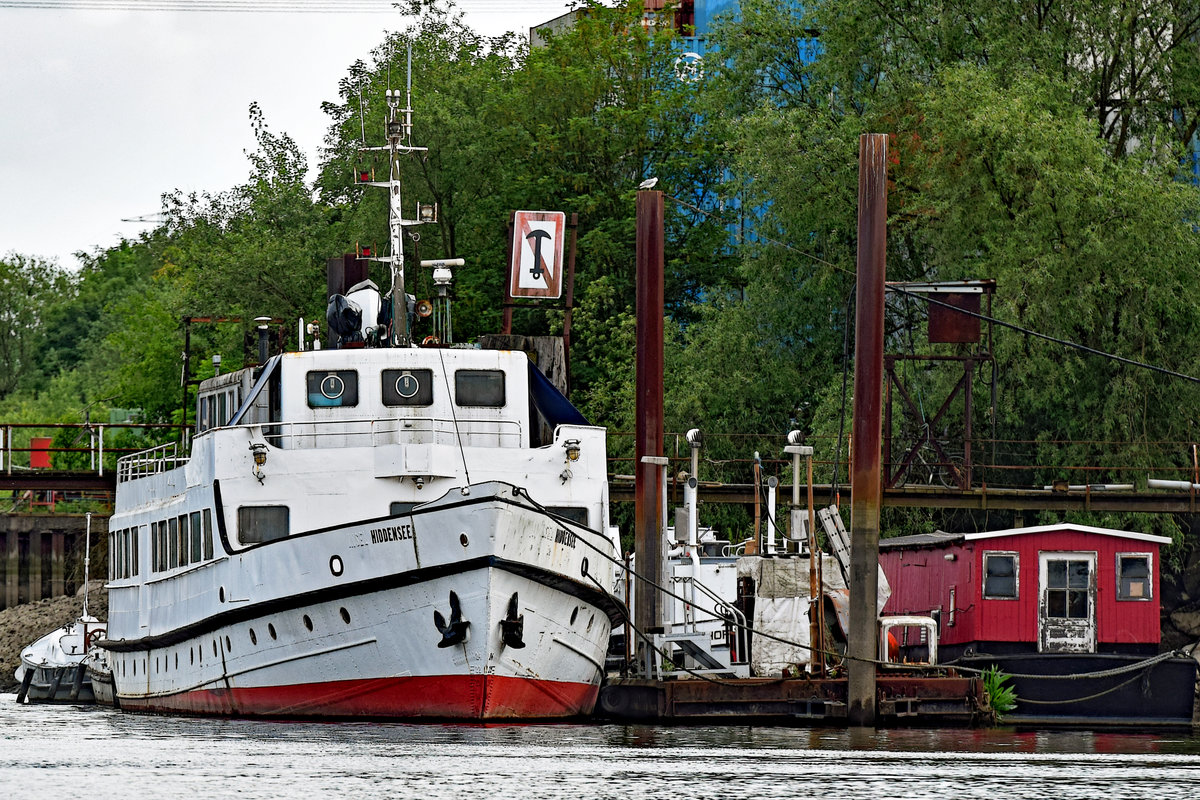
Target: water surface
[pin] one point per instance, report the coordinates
(61, 751)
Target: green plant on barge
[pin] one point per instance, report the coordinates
(1001, 698)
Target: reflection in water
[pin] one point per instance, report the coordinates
(44, 749)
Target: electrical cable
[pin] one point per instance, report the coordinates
(977, 315)
(1136, 667)
(1064, 342)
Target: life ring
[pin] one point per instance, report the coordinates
(428, 340)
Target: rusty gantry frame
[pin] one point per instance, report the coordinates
(946, 326)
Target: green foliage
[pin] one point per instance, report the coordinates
(1002, 698)
(28, 288)
(1038, 145)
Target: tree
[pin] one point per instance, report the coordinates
(28, 286)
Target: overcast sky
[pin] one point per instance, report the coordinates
(101, 111)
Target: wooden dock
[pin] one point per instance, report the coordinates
(902, 700)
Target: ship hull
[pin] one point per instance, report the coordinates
(527, 641)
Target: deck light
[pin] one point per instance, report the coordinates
(572, 446)
(259, 451)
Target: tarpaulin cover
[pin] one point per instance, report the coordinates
(550, 402)
(787, 618)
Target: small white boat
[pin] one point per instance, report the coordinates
(52, 669)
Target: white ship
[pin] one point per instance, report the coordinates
(381, 531)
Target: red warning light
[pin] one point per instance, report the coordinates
(365, 252)
(364, 175)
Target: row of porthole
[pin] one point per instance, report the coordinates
(165, 664)
(575, 615)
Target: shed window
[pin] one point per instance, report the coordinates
(1068, 582)
(332, 389)
(262, 523)
(1000, 576)
(479, 387)
(1133, 576)
(407, 387)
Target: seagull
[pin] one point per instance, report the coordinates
(649, 183)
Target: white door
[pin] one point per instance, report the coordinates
(1067, 602)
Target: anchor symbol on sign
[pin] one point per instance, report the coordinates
(537, 237)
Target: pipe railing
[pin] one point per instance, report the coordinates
(17, 450)
(1015, 465)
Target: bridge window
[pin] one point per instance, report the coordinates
(575, 514)
(1000, 576)
(208, 540)
(262, 524)
(333, 389)
(479, 387)
(1133, 576)
(407, 387)
(172, 542)
(184, 550)
(195, 537)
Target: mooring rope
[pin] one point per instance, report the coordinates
(1135, 667)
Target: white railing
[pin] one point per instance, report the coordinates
(156, 460)
(376, 432)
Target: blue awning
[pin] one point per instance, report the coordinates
(550, 402)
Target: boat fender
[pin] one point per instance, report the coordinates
(77, 680)
(54, 684)
(25, 681)
(455, 631)
(512, 627)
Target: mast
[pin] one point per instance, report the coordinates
(399, 144)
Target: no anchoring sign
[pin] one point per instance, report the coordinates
(537, 254)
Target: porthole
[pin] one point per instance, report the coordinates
(156, 666)
(228, 645)
(271, 630)
(345, 616)
(336, 566)
(176, 659)
(462, 539)
(221, 594)
(308, 622)
(253, 637)
(574, 614)
(214, 648)
(192, 654)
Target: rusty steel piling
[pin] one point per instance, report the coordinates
(649, 399)
(866, 488)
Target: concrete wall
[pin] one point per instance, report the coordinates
(41, 555)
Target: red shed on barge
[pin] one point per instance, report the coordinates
(1049, 601)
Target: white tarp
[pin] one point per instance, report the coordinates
(787, 618)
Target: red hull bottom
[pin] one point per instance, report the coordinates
(466, 697)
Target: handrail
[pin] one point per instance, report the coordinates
(373, 432)
(366, 432)
(153, 461)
